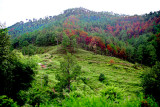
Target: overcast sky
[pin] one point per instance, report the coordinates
(12, 11)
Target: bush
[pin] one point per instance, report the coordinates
(95, 101)
(32, 61)
(102, 77)
(37, 94)
(84, 79)
(151, 81)
(45, 77)
(29, 50)
(76, 94)
(111, 61)
(7, 102)
(112, 93)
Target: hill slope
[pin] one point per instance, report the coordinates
(123, 75)
(119, 73)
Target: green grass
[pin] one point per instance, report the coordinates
(120, 74)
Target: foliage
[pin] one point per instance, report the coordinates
(70, 70)
(15, 74)
(111, 61)
(4, 44)
(76, 94)
(45, 38)
(69, 43)
(7, 102)
(29, 50)
(37, 94)
(112, 93)
(94, 101)
(65, 41)
(133, 38)
(31, 61)
(45, 79)
(116, 74)
(151, 81)
(102, 77)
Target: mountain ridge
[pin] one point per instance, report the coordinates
(23, 27)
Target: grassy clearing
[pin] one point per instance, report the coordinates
(122, 81)
(121, 73)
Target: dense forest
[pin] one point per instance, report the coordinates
(130, 44)
(133, 38)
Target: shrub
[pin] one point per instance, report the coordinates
(76, 94)
(112, 93)
(29, 50)
(95, 101)
(31, 61)
(102, 77)
(84, 79)
(111, 61)
(45, 77)
(7, 102)
(37, 94)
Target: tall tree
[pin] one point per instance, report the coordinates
(69, 70)
(65, 42)
(139, 53)
(4, 44)
(15, 75)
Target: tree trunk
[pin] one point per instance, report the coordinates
(101, 51)
(69, 84)
(68, 76)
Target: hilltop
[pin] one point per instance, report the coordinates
(38, 24)
(99, 19)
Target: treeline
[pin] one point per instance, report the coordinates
(143, 49)
(16, 71)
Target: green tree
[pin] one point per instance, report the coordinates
(69, 70)
(123, 35)
(130, 52)
(65, 42)
(14, 73)
(74, 44)
(41, 40)
(25, 43)
(151, 81)
(29, 50)
(151, 54)
(4, 44)
(25, 50)
(139, 53)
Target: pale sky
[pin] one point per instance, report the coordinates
(12, 11)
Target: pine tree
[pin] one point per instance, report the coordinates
(69, 70)
(4, 44)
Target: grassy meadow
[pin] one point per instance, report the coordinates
(121, 77)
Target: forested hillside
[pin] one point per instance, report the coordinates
(81, 58)
(133, 38)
